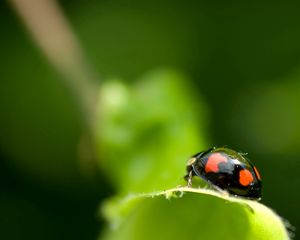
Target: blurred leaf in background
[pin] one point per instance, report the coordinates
(149, 129)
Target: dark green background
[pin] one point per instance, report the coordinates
(243, 58)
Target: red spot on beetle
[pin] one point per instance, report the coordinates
(212, 164)
(257, 173)
(245, 177)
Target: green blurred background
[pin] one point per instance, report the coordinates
(243, 64)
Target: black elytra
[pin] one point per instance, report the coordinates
(227, 170)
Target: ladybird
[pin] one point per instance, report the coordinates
(226, 169)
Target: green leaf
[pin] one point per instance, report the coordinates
(189, 213)
(148, 130)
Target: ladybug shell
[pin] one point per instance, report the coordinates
(228, 170)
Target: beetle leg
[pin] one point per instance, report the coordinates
(189, 179)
